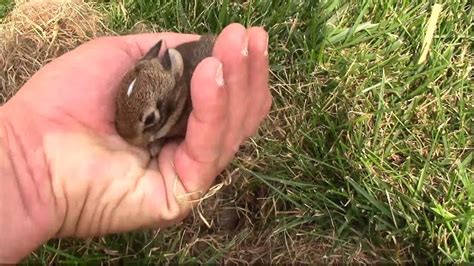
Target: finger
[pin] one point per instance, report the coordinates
(196, 157)
(258, 79)
(208, 118)
(231, 49)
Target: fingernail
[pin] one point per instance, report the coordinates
(219, 76)
(265, 53)
(245, 49)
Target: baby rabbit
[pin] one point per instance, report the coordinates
(154, 101)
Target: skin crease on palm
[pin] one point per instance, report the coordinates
(74, 176)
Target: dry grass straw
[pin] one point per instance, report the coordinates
(35, 32)
(428, 39)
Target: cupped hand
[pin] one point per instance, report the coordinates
(93, 182)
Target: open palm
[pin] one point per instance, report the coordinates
(98, 184)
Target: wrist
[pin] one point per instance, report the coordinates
(27, 207)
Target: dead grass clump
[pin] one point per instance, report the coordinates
(35, 32)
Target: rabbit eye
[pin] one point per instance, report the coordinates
(150, 119)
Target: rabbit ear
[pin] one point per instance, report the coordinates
(154, 51)
(173, 61)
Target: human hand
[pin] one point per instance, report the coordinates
(80, 178)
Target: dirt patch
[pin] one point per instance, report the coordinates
(35, 32)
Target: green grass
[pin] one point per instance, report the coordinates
(366, 156)
(5, 7)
